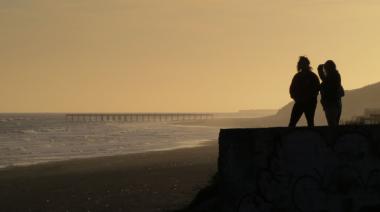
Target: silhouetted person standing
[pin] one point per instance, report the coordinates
(331, 93)
(304, 91)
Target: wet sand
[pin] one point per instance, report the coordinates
(153, 181)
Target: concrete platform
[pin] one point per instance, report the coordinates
(301, 169)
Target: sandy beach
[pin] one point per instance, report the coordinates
(153, 181)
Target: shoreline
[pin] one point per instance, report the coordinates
(200, 143)
(150, 181)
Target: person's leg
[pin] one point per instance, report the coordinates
(331, 112)
(310, 113)
(296, 114)
(326, 110)
(339, 108)
(327, 115)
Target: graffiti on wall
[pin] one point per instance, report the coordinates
(304, 170)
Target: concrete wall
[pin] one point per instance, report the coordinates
(282, 169)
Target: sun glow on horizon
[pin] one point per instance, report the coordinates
(142, 56)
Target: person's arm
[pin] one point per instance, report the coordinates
(321, 74)
(341, 89)
(317, 85)
(292, 89)
(339, 80)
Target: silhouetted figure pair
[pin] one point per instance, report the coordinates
(331, 92)
(304, 91)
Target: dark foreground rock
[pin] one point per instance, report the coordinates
(302, 169)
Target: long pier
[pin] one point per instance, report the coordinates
(136, 117)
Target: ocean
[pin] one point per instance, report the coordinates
(27, 139)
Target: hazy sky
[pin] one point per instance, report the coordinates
(176, 55)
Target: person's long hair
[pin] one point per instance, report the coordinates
(330, 67)
(303, 64)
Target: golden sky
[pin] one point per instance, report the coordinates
(176, 55)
